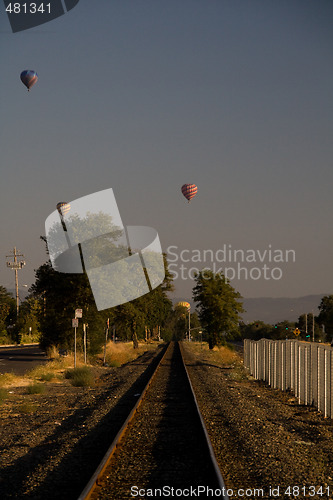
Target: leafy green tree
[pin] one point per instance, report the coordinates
(28, 321)
(142, 317)
(155, 307)
(59, 295)
(325, 316)
(305, 325)
(218, 306)
(129, 322)
(283, 330)
(256, 330)
(7, 313)
(177, 323)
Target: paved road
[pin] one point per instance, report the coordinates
(20, 359)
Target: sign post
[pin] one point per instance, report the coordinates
(75, 324)
(85, 342)
(78, 314)
(106, 338)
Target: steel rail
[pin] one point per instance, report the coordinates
(98, 474)
(212, 455)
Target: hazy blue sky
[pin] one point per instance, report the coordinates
(144, 96)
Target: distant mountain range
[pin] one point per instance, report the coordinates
(267, 309)
(271, 310)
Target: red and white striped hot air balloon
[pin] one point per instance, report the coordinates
(189, 191)
(63, 207)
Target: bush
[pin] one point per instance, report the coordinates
(80, 377)
(36, 388)
(5, 339)
(47, 376)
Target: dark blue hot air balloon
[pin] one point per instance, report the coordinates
(29, 78)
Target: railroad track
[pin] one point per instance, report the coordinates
(163, 448)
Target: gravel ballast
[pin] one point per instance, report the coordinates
(262, 438)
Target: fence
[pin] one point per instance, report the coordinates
(304, 368)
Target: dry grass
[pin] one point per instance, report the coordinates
(55, 368)
(220, 356)
(119, 353)
(8, 379)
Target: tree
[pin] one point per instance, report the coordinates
(283, 330)
(177, 323)
(256, 330)
(7, 311)
(305, 325)
(218, 306)
(60, 294)
(61, 291)
(142, 317)
(28, 321)
(325, 316)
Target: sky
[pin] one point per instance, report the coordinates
(234, 96)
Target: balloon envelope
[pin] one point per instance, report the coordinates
(184, 304)
(29, 78)
(189, 191)
(63, 207)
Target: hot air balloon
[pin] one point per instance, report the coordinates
(63, 207)
(29, 78)
(189, 191)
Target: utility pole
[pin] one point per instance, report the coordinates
(189, 324)
(16, 265)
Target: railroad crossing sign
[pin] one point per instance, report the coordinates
(297, 331)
